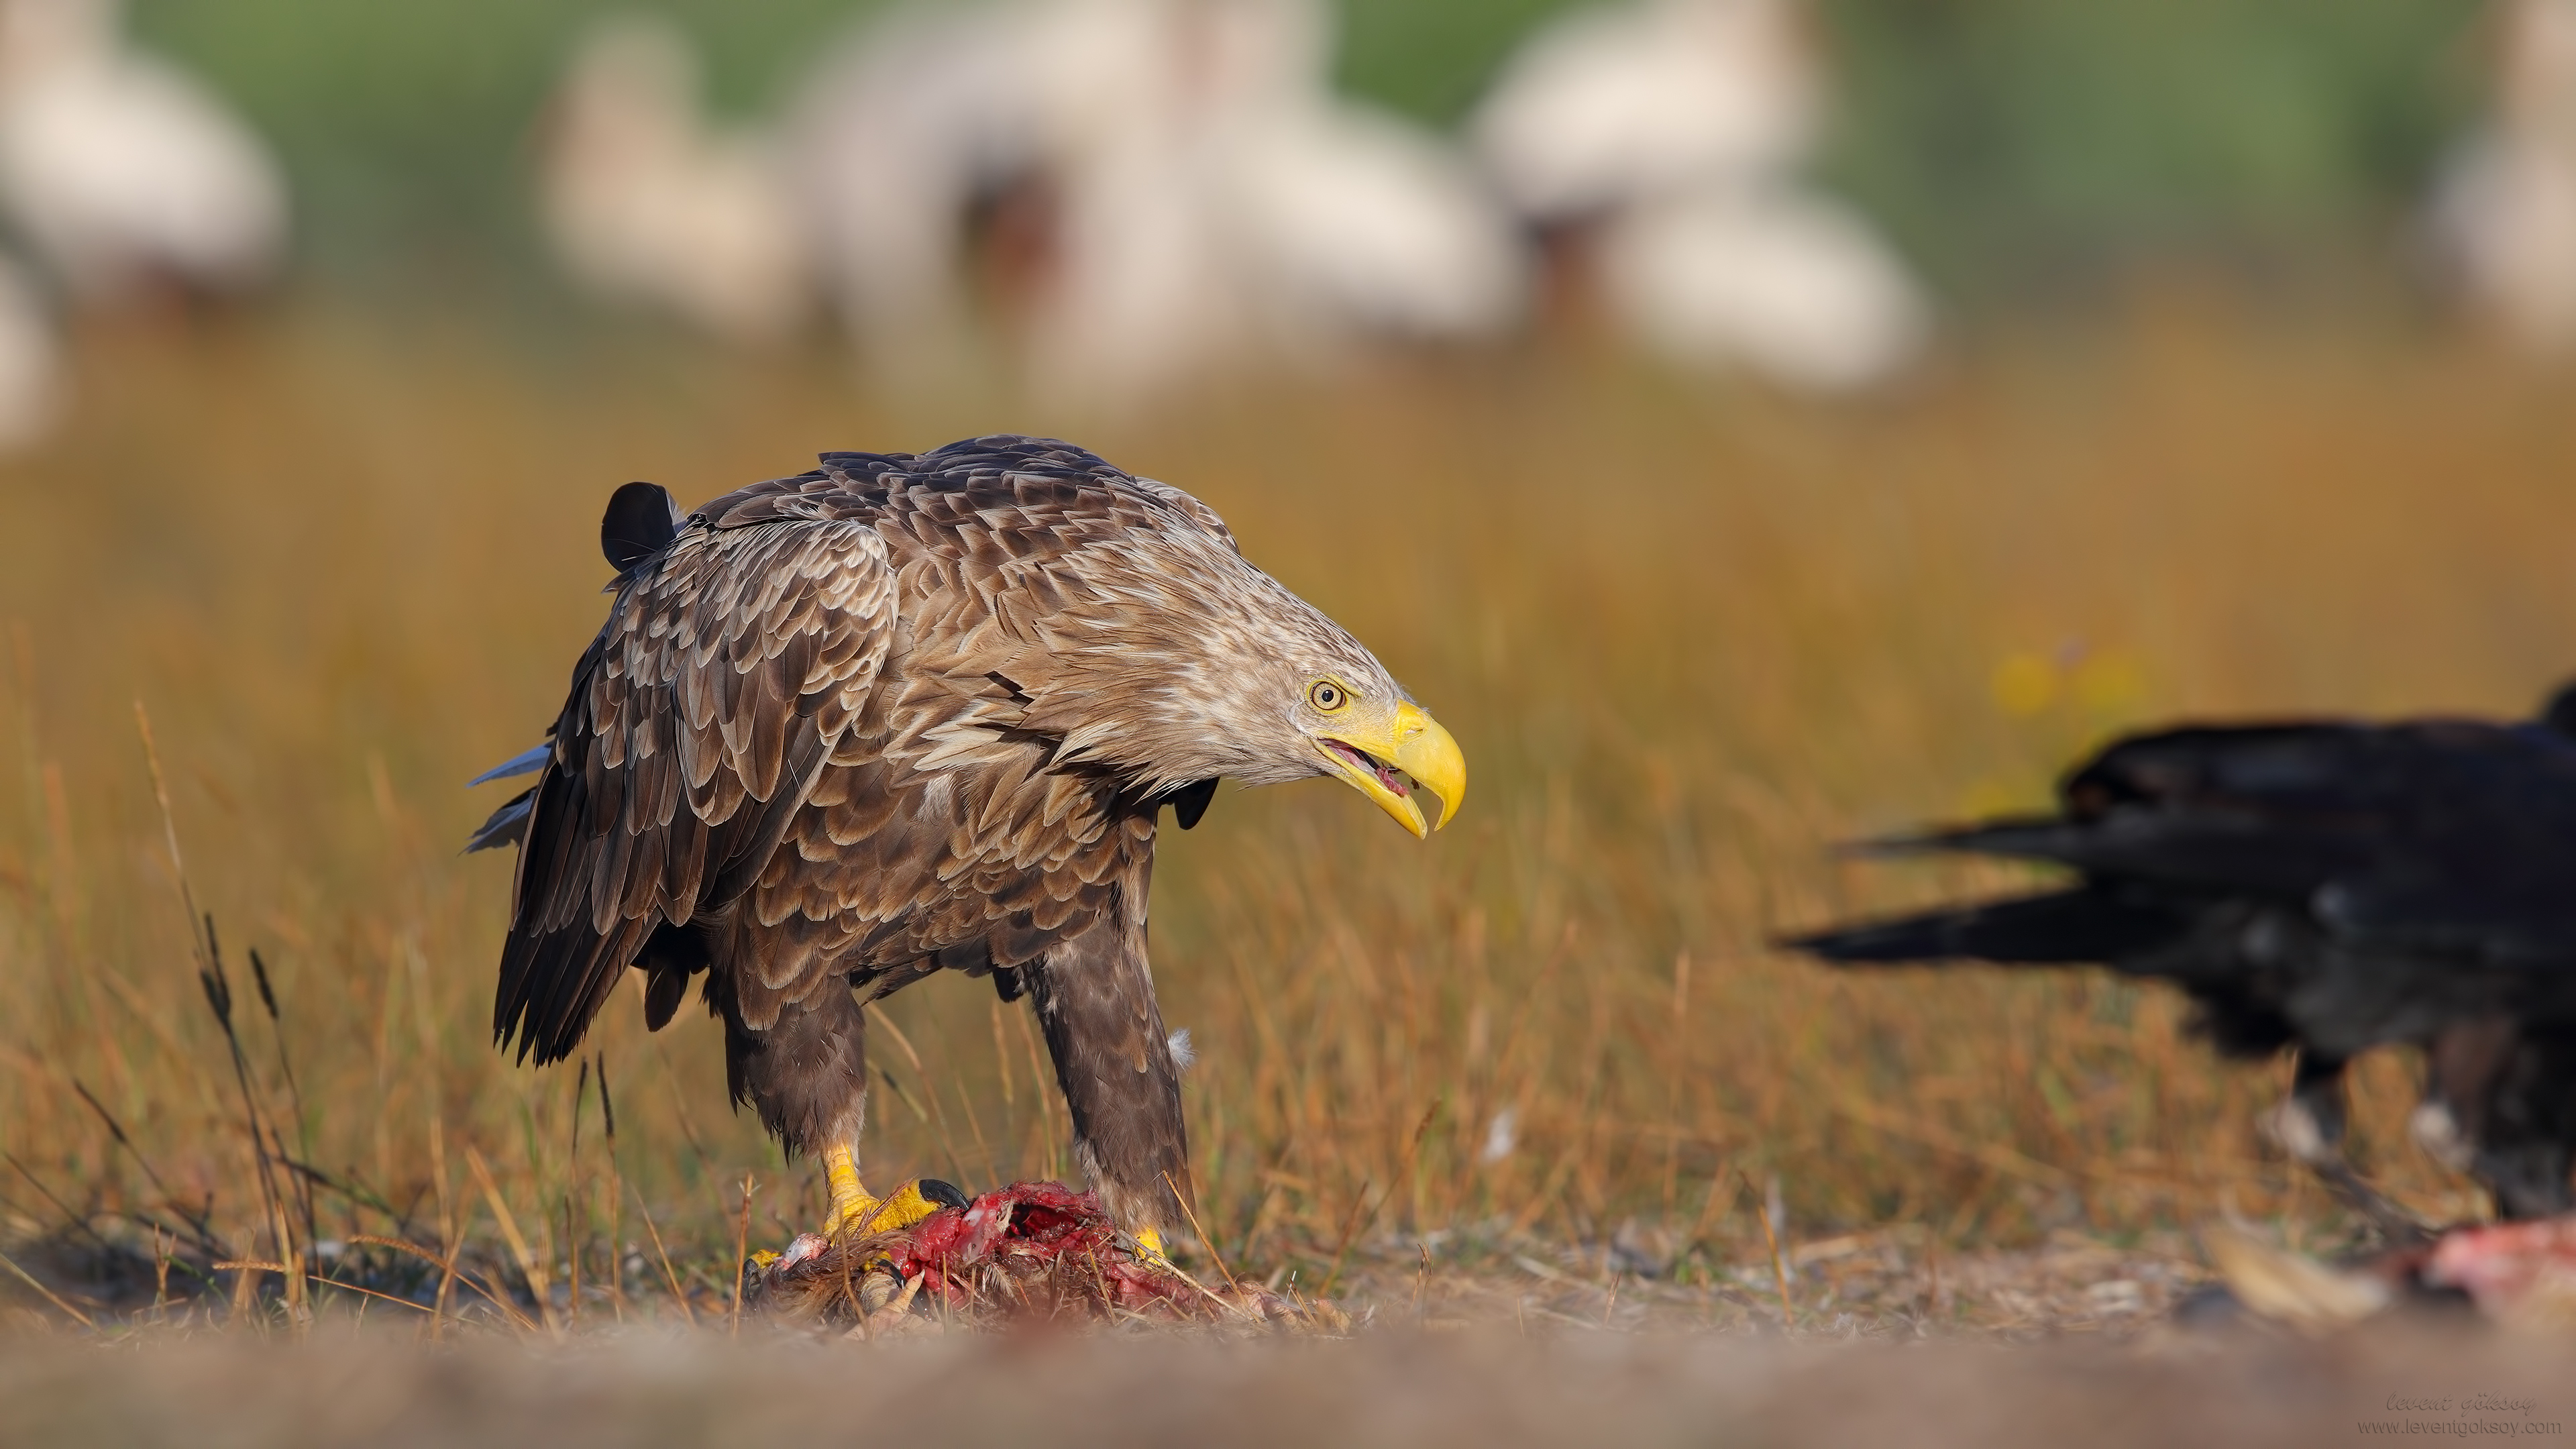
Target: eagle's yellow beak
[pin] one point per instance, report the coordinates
(1375, 758)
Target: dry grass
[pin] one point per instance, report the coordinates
(1688, 638)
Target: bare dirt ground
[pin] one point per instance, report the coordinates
(1464, 1341)
(1395, 1387)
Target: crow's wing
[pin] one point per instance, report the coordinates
(2437, 835)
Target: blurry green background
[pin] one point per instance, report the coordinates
(2020, 151)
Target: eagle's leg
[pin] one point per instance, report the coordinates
(2462, 1064)
(803, 1065)
(1094, 997)
(2498, 1101)
(2309, 1123)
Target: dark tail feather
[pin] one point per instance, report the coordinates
(2022, 837)
(2064, 928)
(641, 521)
(507, 825)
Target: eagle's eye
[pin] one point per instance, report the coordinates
(1327, 696)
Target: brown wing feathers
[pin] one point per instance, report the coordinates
(728, 668)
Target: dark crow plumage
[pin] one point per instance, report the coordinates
(905, 714)
(2324, 888)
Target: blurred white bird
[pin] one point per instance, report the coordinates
(1357, 216)
(1143, 288)
(1221, 205)
(897, 137)
(1621, 101)
(1792, 285)
(1671, 136)
(123, 172)
(2504, 210)
(1208, 199)
(647, 203)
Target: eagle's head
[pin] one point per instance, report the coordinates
(1322, 705)
(1199, 667)
(1299, 697)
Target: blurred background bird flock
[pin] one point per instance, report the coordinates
(1755, 425)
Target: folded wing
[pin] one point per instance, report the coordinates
(698, 722)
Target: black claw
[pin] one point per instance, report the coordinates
(943, 1193)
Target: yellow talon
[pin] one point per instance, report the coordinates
(763, 1258)
(856, 1213)
(895, 1211)
(1149, 1247)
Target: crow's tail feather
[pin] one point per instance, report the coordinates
(2062, 928)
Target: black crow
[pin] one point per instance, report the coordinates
(2322, 888)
